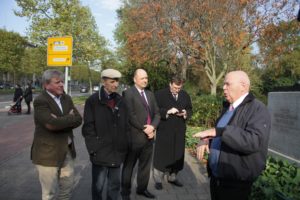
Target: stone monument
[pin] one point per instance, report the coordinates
(285, 129)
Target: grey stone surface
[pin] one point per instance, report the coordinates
(285, 130)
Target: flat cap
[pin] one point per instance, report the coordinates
(111, 73)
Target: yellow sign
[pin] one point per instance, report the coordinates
(59, 51)
(59, 60)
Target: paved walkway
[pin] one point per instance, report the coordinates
(19, 179)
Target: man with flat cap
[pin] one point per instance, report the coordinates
(105, 130)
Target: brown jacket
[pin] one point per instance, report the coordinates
(50, 143)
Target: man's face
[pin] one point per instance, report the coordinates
(141, 79)
(110, 85)
(56, 86)
(232, 88)
(175, 88)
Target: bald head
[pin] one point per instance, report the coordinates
(140, 79)
(236, 84)
(241, 77)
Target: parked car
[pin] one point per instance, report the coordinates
(6, 86)
(96, 88)
(84, 89)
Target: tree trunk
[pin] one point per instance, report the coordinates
(184, 67)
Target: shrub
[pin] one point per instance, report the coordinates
(190, 141)
(206, 109)
(280, 181)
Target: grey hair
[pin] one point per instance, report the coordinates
(51, 73)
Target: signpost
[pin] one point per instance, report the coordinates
(59, 53)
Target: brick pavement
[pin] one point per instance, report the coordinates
(19, 179)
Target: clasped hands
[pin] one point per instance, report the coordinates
(202, 146)
(175, 111)
(149, 130)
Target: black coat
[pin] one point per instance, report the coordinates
(170, 137)
(28, 94)
(105, 130)
(244, 141)
(18, 93)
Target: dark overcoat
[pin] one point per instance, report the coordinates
(170, 137)
(105, 130)
(28, 94)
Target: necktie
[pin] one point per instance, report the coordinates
(231, 108)
(175, 96)
(147, 107)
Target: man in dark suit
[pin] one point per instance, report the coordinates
(175, 108)
(143, 118)
(53, 150)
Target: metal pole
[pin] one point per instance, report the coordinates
(66, 79)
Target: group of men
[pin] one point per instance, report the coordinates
(144, 127)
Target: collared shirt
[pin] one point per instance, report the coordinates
(56, 99)
(239, 100)
(140, 91)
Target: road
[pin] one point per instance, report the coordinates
(6, 100)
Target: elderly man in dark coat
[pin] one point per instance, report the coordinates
(175, 108)
(238, 145)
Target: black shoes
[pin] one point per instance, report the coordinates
(176, 183)
(146, 194)
(158, 186)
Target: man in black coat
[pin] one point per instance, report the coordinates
(28, 97)
(105, 130)
(143, 119)
(175, 108)
(238, 145)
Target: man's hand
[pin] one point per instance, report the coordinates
(183, 114)
(210, 133)
(172, 111)
(149, 131)
(71, 112)
(54, 116)
(202, 147)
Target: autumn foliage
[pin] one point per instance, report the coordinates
(211, 36)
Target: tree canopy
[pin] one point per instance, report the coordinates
(209, 36)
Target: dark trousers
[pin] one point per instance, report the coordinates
(142, 154)
(100, 175)
(28, 107)
(233, 190)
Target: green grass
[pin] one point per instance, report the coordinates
(7, 91)
(79, 100)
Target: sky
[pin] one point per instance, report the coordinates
(104, 12)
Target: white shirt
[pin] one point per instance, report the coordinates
(239, 100)
(56, 99)
(140, 91)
